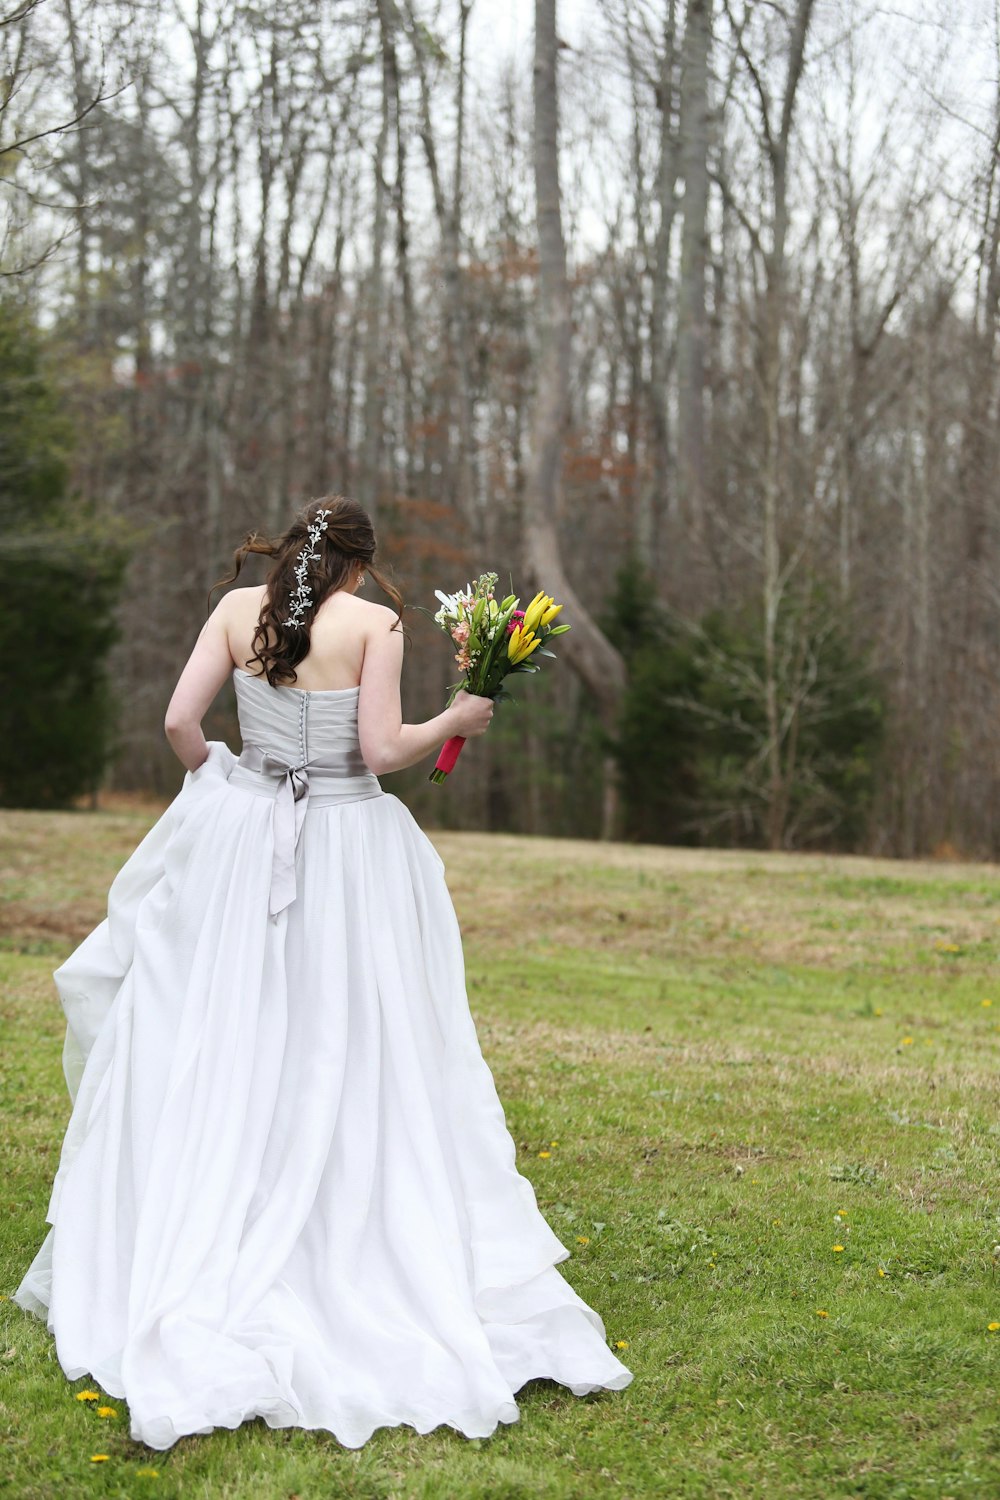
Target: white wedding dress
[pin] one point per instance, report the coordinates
(287, 1189)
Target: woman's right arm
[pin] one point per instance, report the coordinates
(388, 744)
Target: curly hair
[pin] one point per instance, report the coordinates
(349, 538)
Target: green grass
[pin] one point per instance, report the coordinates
(745, 1060)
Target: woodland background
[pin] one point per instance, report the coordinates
(686, 312)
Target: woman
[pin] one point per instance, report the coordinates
(287, 1189)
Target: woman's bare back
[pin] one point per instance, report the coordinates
(339, 631)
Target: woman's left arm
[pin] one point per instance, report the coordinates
(206, 669)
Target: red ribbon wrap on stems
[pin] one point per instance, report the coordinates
(450, 751)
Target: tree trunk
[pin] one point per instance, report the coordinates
(407, 333)
(777, 137)
(455, 447)
(589, 652)
(370, 466)
(691, 330)
(653, 507)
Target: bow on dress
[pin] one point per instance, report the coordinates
(287, 817)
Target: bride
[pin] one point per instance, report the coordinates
(287, 1189)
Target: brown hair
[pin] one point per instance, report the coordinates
(349, 538)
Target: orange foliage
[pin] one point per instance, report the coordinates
(513, 262)
(182, 371)
(437, 550)
(593, 466)
(427, 531)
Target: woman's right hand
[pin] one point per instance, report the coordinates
(472, 714)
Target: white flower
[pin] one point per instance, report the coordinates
(450, 603)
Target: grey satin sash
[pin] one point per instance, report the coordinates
(292, 788)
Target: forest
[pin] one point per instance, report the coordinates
(683, 310)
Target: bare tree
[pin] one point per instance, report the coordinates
(591, 654)
(691, 312)
(774, 124)
(732, 329)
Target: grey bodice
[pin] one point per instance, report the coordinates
(300, 747)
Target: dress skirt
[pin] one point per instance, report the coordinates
(287, 1189)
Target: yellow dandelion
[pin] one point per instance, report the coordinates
(621, 1343)
(821, 1312)
(107, 1411)
(878, 1010)
(987, 1002)
(545, 1153)
(943, 947)
(583, 1239)
(775, 1221)
(553, 1143)
(881, 1271)
(837, 1249)
(841, 1213)
(148, 1473)
(88, 1395)
(755, 1179)
(992, 1327)
(99, 1458)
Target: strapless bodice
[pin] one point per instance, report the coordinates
(301, 726)
(301, 748)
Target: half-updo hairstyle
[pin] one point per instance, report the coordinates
(349, 539)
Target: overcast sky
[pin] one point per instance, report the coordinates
(498, 28)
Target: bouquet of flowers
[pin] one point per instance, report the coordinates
(494, 639)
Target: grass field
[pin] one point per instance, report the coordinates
(768, 1091)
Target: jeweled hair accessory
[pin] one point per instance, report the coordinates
(302, 598)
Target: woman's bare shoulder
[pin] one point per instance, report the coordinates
(373, 616)
(245, 598)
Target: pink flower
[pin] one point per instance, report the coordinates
(460, 632)
(515, 620)
(464, 660)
